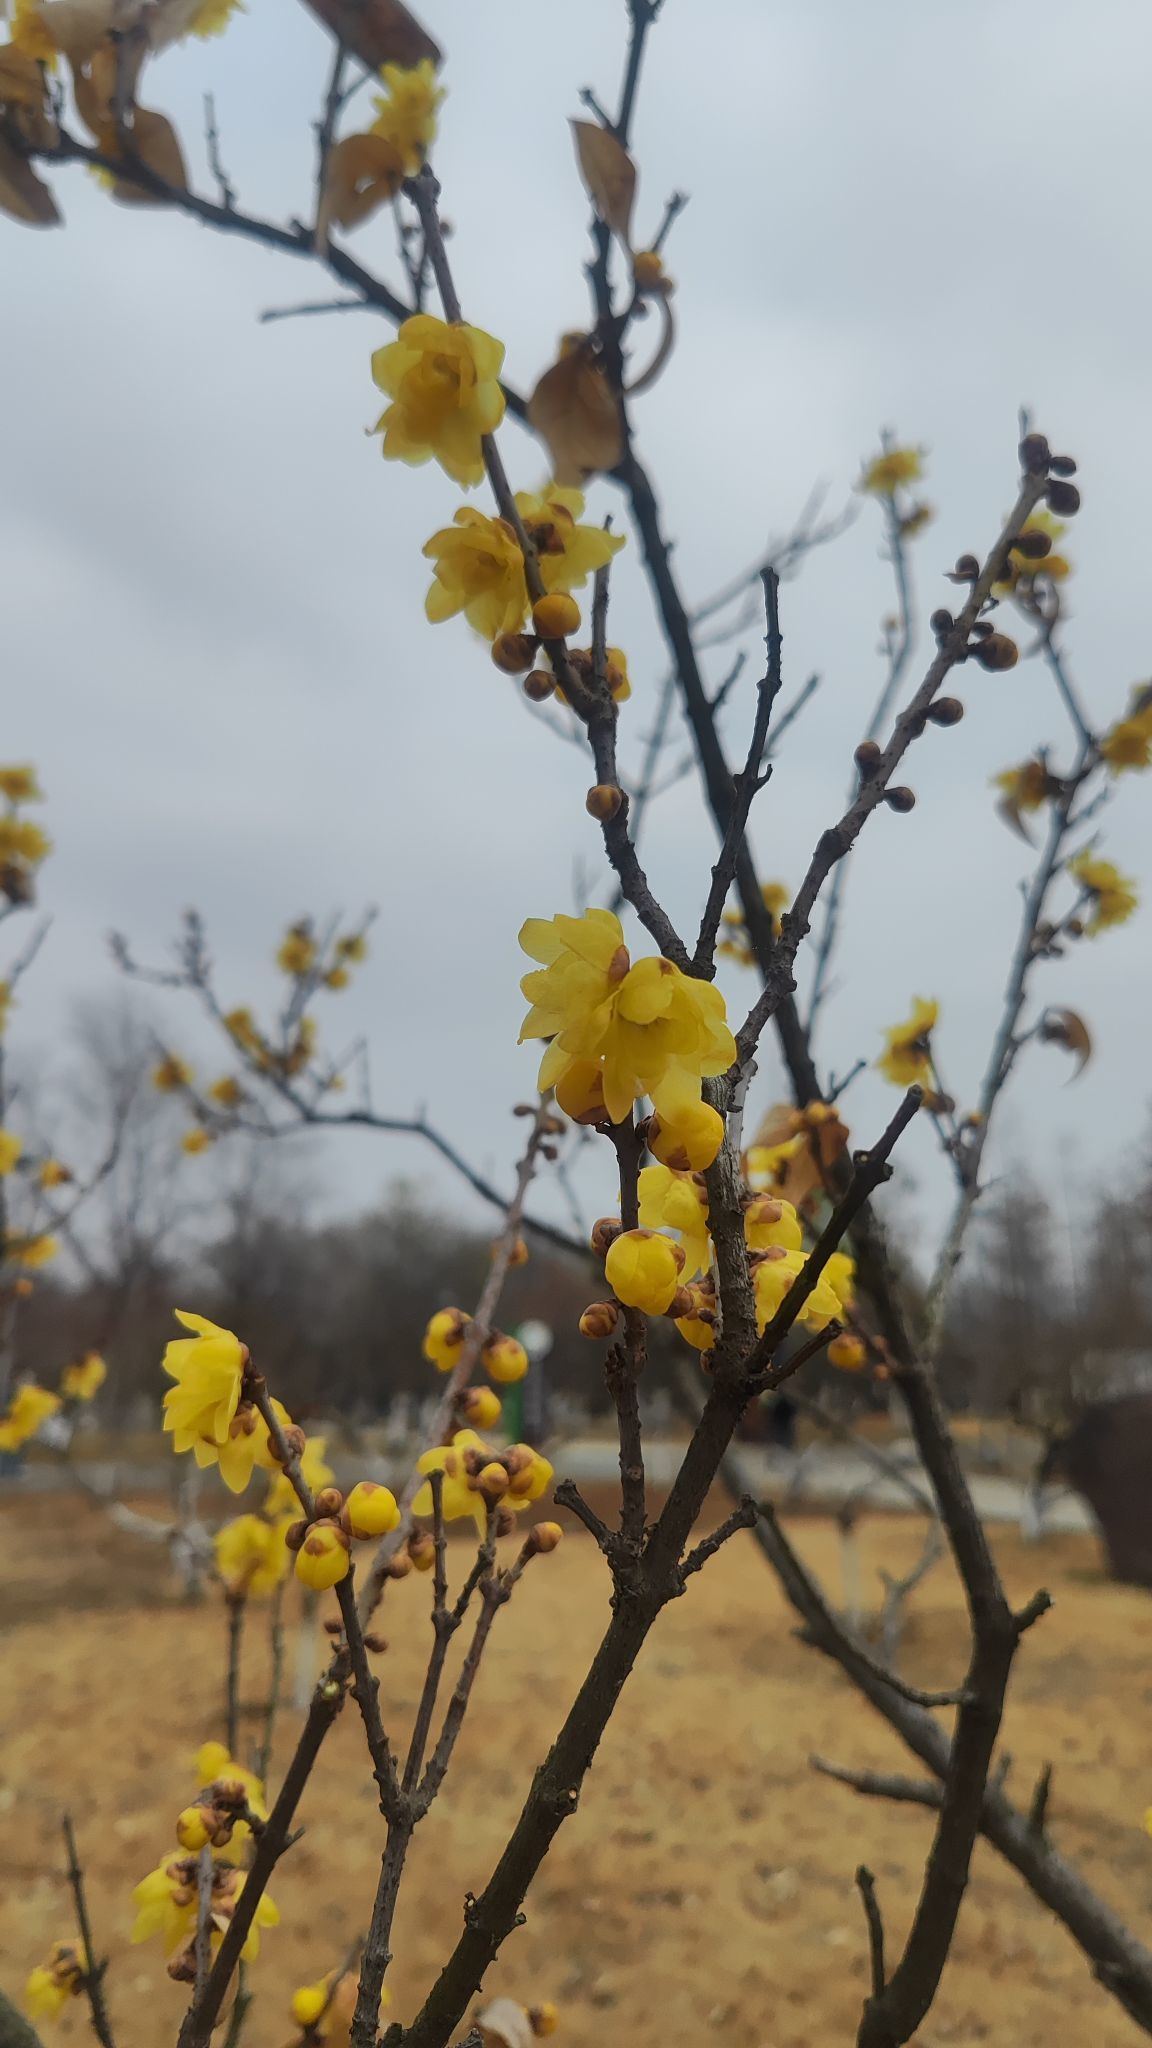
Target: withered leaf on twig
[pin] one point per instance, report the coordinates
(23, 101)
(377, 31)
(609, 174)
(155, 144)
(22, 194)
(1067, 1028)
(574, 410)
(362, 172)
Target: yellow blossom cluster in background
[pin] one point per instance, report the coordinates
(23, 845)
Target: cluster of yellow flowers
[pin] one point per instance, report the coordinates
(31, 1405)
(479, 1481)
(166, 1899)
(1109, 896)
(52, 1983)
(619, 1031)
(22, 843)
(503, 1358)
(887, 476)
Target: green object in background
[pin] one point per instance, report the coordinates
(513, 1412)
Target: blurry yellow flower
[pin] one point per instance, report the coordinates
(280, 1498)
(1023, 567)
(407, 116)
(1113, 896)
(567, 552)
(840, 1273)
(1026, 787)
(371, 1510)
(325, 2010)
(642, 1270)
(241, 1025)
(1129, 743)
(354, 946)
(212, 17)
(83, 1379)
(479, 570)
(252, 1557)
(443, 380)
(297, 954)
(20, 785)
(770, 1221)
(678, 1201)
(52, 1173)
(52, 1983)
(213, 1762)
(196, 1140)
(29, 1406)
(208, 1369)
(32, 1251)
(10, 1149)
(171, 1074)
(322, 1559)
(337, 978)
(21, 840)
(481, 1407)
(504, 1359)
(459, 1461)
(689, 1137)
(907, 1056)
(886, 472)
(649, 1027)
(848, 1352)
(444, 1338)
(772, 1278)
(226, 1092)
(5, 1003)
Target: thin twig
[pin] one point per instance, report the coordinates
(235, 1608)
(94, 1971)
(866, 1886)
(742, 1517)
(215, 162)
(275, 1681)
(746, 786)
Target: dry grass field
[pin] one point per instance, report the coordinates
(704, 1890)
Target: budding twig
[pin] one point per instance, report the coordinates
(94, 1971)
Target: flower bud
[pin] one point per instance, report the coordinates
(642, 1270)
(294, 1442)
(295, 1533)
(504, 1360)
(1033, 544)
(1063, 465)
(867, 759)
(848, 1352)
(543, 2019)
(372, 1510)
(1035, 454)
(505, 1520)
(193, 1830)
(599, 1320)
(398, 1567)
(555, 615)
(605, 1231)
(603, 801)
(375, 1644)
(514, 652)
(996, 652)
(1063, 499)
(492, 1481)
(329, 1500)
(545, 1536)
(518, 1252)
(967, 570)
(539, 685)
(480, 1408)
(901, 798)
(322, 1559)
(648, 271)
(946, 711)
(682, 1303)
(941, 622)
(422, 1550)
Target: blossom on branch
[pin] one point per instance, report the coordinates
(406, 114)
(1112, 896)
(907, 1056)
(443, 378)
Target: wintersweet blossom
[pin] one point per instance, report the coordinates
(443, 379)
(643, 1271)
(1129, 742)
(444, 1338)
(464, 1463)
(372, 1510)
(11, 1147)
(83, 1379)
(1113, 897)
(208, 1369)
(698, 1327)
(848, 1352)
(296, 954)
(325, 2010)
(479, 570)
(886, 472)
(406, 116)
(21, 840)
(323, 1558)
(679, 1202)
(29, 1407)
(772, 1279)
(566, 551)
(20, 784)
(35, 1249)
(907, 1056)
(648, 1027)
(769, 1221)
(52, 1983)
(171, 1075)
(252, 1557)
(281, 1497)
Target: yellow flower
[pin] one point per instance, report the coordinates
(907, 1057)
(531, 1476)
(83, 1379)
(1026, 787)
(1112, 895)
(32, 1251)
(1024, 567)
(848, 1352)
(212, 1763)
(772, 1278)
(171, 1074)
(208, 1369)
(20, 785)
(322, 1559)
(337, 978)
(769, 1221)
(443, 380)
(463, 1460)
(252, 1557)
(1129, 743)
(241, 1025)
(52, 1173)
(297, 954)
(165, 1902)
(479, 570)
(10, 1149)
(481, 1407)
(354, 946)
(840, 1273)
(407, 117)
(567, 552)
(504, 1360)
(677, 1201)
(690, 1138)
(652, 1030)
(642, 1270)
(21, 840)
(212, 17)
(280, 1498)
(325, 2010)
(5, 1003)
(51, 1984)
(226, 1092)
(371, 1510)
(196, 1140)
(886, 472)
(444, 1338)
(29, 1406)
(698, 1328)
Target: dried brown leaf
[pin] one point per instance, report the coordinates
(609, 174)
(153, 141)
(1067, 1028)
(574, 410)
(504, 2024)
(21, 79)
(363, 171)
(22, 194)
(377, 31)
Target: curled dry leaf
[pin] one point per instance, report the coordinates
(812, 1148)
(1067, 1028)
(377, 31)
(575, 410)
(155, 144)
(504, 2024)
(609, 174)
(362, 172)
(22, 194)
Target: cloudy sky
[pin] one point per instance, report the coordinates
(908, 216)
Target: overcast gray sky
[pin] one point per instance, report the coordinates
(910, 215)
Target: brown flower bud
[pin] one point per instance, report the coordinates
(946, 711)
(603, 801)
(867, 759)
(1063, 465)
(555, 615)
(941, 622)
(376, 1644)
(1033, 544)
(1035, 454)
(294, 1442)
(514, 652)
(545, 1536)
(492, 1481)
(539, 685)
(605, 1231)
(682, 1303)
(967, 569)
(1075, 927)
(422, 1550)
(599, 1319)
(333, 1626)
(182, 1966)
(398, 1567)
(680, 1256)
(524, 1109)
(1063, 499)
(901, 798)
(329, 1500)
(996, 652)
(295, 1533)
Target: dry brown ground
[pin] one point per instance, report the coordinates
(704, 1890)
